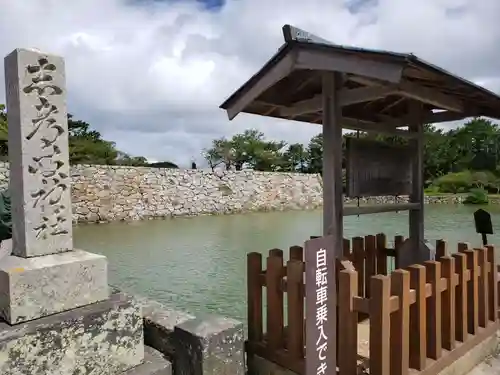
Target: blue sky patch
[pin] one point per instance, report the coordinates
(209, 4)
(356, 6)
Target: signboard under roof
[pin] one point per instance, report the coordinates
(377, 169)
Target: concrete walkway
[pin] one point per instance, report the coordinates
(490, 366)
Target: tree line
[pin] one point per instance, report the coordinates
(455, 160)
(86, 146)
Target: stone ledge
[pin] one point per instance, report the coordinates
(159, 325)
(154, 364)
(103, 338)
(210, 345)
(31, 288)
(467, 362)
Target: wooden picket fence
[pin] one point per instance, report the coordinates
(422, 318)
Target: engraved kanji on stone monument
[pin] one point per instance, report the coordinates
(38, 153)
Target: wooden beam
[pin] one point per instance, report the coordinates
(374, 127)
(346, 97)
(366, 81)
(275, 74)
(393, 104)
(387, 125)
(421, 93)
(348, 63)
(315, 104)
(379, 208)
(418, 92)
(445, 116)
(430, 96)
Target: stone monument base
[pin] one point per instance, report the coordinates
(103, 338)
(31, 288)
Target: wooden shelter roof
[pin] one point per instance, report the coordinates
(377, 87)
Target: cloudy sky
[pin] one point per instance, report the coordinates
(150, 75)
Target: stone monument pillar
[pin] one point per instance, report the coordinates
(44, 275)
(57, 313)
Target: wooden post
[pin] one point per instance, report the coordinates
(381, 254)
(296, 253)
(358, 254)
(398, 242)
(370, 264)
(461, 297)
(434, 341)
(400, 324)
(473, 291)
(418, 318)
(346, 245)
(295, 308)
(417, 192)
(483, 287)
(448, 302)
(332, 161)
(348, 322)
(380, 327)
(254, 269)
(332, 187)
(493, 284)
(274, 293)
(441, 249)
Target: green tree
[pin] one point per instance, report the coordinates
(163, 164)
(457, 159)
(86, 146)
(221, 153)
(436, 152)
(248, 149)
(123, 158)
(475, 145)
(295, 158)
(315, 154)
(4, 132)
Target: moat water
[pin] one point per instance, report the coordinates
(198, 264)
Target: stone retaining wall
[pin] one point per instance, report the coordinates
(108, 193)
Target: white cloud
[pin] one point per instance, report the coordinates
(151, 76)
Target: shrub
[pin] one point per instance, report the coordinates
(482, 179)
(432, 190)
(454, 182)
(477, 196)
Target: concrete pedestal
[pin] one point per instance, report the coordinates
(31, 288)
(103, 338)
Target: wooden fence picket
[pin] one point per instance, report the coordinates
(274, 294)
(448, 302)
(380, 316)
(348, 323)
